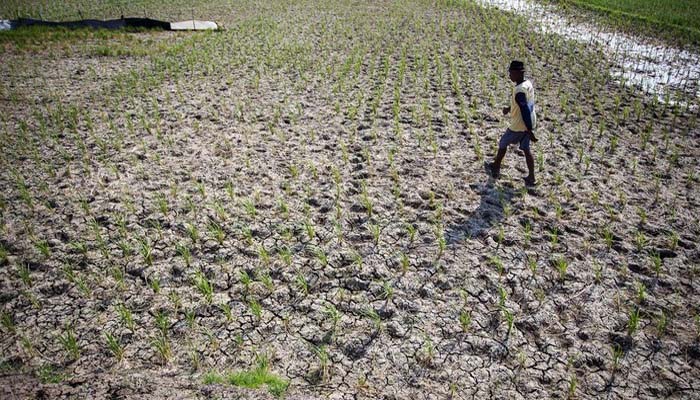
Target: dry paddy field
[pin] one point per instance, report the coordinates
(296, 206)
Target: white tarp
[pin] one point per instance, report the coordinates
(5, 24)
(193, 25)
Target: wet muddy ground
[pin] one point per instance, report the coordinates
(307, 188)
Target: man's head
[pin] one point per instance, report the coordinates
(516, 71)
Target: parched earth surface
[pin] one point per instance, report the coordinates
(306, 188)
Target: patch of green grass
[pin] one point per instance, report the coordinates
(252, 379)
(678, 20)
(48, 374)
(99, 42)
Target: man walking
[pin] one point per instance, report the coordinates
(522, 123)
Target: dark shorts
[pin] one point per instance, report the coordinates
(511, 137)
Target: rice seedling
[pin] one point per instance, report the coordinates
(226, 309)
(554, 236)
(673, 240)
(640, 240)
(263, 255)
(70, 343)
(175, 300)
(496, 262)
(3, 251)
(387, 291)
(404, 262)
(184, 251)
(324, 362)
(126, 317)
(332, 313)
(146, 251)
(25, 274)
(641, 292)
(310, 229)
(43, 247)
(373, 316)
(114, 346)
(286, 255)
(562, 265)
(633, 321)
(426, 354)
(501, 235)
(573, 383)
(249, 207)
(217, 232)
(366, 200)
(162, 322)
(662, 324)
(7, 322)
(267, 282)
(47, 374)
(302, 284)
(411, 230)
(191, 318)
(441, 241)
(465, 320)
(527, 232)
(162, 202)
(608, 237)
(321, 256)
(255, 309)
(247, 235)
(616, 356)
(192, 232)
(163, 349)
(597, 272)
(203, 285)
(83, 285)
(375, 230)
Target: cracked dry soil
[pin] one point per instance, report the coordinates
(319, 166)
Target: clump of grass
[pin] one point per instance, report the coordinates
(256, 309)
(372, 315)
(302, 284)
(114, 346)
(496, 262)
(3, 254)
(7, 321)
(465, 320)
(332, 313)
(48, 374)
(184, 251)
(204, 286)
(411, 230)
(25, 274)
(162, 347)
(616, 355)
(562, 266)
(70, 343)
(633, 321)
(146, 251)
(254, 378)
(126, 317)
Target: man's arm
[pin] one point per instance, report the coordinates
(521, 100)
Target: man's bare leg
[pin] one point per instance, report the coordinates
(530, 179)
(496, 165)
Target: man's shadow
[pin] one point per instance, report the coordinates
(486, 215)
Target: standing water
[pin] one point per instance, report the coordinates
(655, 68)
